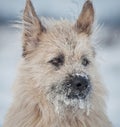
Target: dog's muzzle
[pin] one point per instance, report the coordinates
(77, 86)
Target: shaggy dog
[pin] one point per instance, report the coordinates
(58, 84)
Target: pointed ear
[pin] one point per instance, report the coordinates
(32, 28)
(86, 19)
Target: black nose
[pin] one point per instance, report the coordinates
(79, 87)
(79, 83)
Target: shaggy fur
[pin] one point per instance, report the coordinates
(35, 103)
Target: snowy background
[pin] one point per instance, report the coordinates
(107, 14)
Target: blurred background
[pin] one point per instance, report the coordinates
(108, 48)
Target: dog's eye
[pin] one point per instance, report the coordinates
(58, 61)
(85, 62)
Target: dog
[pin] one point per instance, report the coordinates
(58, 84)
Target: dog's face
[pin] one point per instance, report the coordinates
(60, 60)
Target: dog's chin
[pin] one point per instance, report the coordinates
(71, 101)
(63, 103)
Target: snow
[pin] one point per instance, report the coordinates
(9, 57)
(104, 8)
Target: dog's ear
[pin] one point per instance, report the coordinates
(32, 30)
(86, 19)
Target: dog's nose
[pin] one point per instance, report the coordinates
(79, 83)
(79, 87)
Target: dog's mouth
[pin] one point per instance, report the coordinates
(62, 96)
(67, 100)
(71, 94)
(76, 88)
(77, 94)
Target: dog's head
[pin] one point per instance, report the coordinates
(59, 60)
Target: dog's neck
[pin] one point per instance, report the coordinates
(68, 119)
